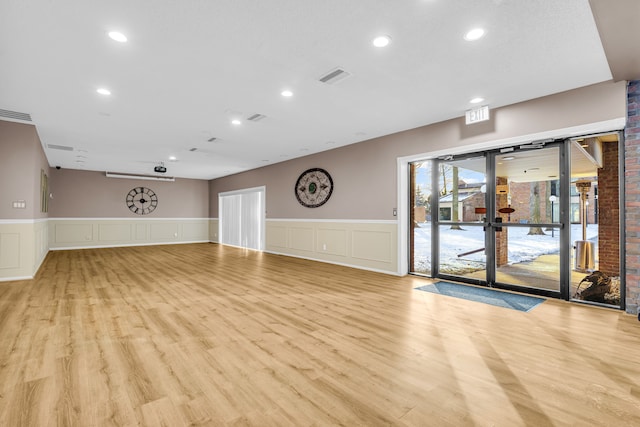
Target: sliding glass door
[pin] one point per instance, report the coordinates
(242, 218)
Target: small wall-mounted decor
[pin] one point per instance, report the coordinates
(44, 191)
(313, 187)
(141, 200)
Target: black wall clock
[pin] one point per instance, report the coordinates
(142, 200)
(314, 187)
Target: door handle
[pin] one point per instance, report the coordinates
(498, 221)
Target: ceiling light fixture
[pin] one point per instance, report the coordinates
(286, 93)
(474, 34)
(117, 36)
(173, 158)
(103, 91)
(236, 122)
(382, 41)
(508, 158)
(476, 100)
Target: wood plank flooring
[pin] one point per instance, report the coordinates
(209, 335)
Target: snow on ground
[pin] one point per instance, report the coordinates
(522, 247)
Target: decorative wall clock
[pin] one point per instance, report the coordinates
(314, 187)
(142, 201)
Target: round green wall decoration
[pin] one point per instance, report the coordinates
(314, 187)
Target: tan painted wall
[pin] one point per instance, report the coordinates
(89, 194)
(23, 232)
(21, 160)
(364, 174)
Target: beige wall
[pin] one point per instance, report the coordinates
(365, 175)
(89, 194)
(89, 209)
(21, 160)
(23, 232)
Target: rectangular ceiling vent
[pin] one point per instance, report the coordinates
(14, 115)
(334, 76)
(59, 147)
(213, 138)
(193, 149)
(256, 117)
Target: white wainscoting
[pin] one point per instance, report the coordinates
(81, 233)
(369, 245)
(213, 230)
(23, 246)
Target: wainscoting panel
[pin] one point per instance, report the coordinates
(73, 233)
(213, 230)
(278, 236)
(114, 232)
(162, 231)
(41, 238)
(332, 241)
(370, 245)
(23, 246)
(195, 229)
(141, 232)
(9, 250)
(300, 238)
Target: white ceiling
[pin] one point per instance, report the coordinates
(190, 67)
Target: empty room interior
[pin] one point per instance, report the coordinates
(362, 213)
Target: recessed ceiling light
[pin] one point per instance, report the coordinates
(474, 34)
(236, 122)
(117, 36)
(382, 41)
(103, 91)
(508, 158)
(173, 158)
(476, 100)
(286, 93)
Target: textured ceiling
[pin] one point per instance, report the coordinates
(191, 67)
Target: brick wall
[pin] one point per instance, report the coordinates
(502, 237)
(632, 197)
(609, 212)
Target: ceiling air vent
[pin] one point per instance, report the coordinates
(213, 138)
(334, 76)
(60, 147)
(256, 117)
(14, 115)
(193, 149)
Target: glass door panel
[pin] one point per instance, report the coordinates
(462, 251)
(461, 201)
(595, 220)
(420, 217)
(527, 225)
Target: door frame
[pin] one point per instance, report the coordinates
(609, 126)
(490, 226)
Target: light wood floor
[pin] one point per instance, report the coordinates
(210, 335)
